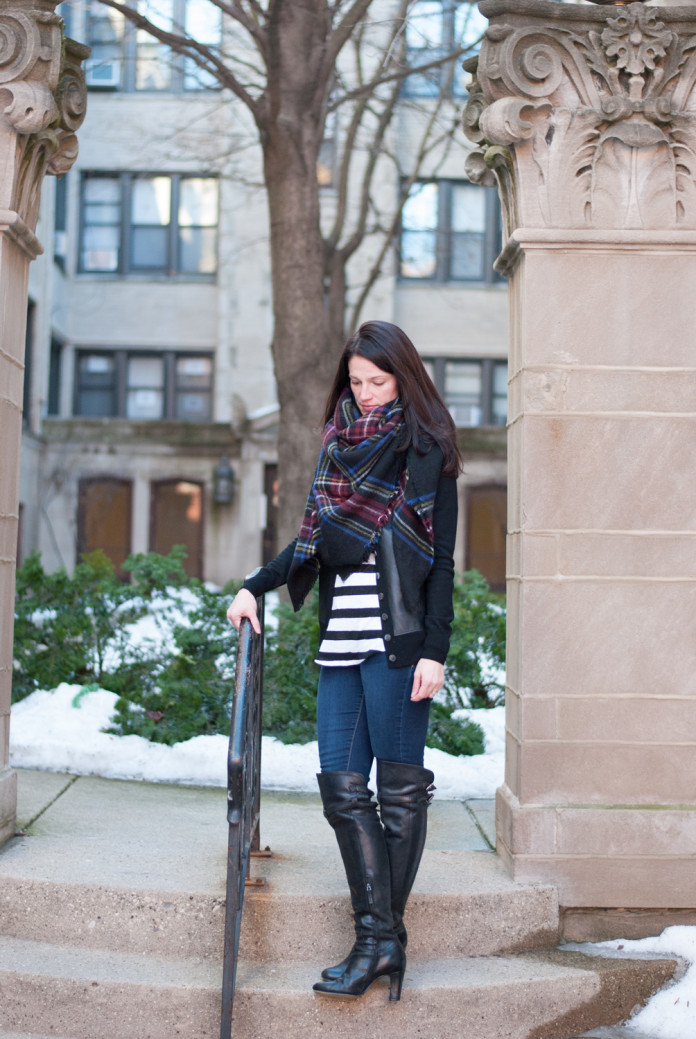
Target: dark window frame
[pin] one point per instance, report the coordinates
(442, 80)
(55, 368)
(127, 50)
(487, 365)
(28, 380)
(491, 237)
(126, 268)
(171, 389)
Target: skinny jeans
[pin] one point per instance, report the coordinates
(364, 712)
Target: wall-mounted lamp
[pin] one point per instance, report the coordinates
(223, 482)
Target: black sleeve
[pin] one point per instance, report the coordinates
(273, 575)
(439, 585)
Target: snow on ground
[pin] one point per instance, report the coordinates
(671, 1013)
(63, 731)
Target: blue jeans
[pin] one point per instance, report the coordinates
(365, 712)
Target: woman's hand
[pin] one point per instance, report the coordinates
(428, 679)
(244, 605)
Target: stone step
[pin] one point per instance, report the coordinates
(463, 904)
(139, 868)
(92, 994)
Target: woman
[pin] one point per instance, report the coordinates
(379, 531)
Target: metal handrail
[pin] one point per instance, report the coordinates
(243, 798)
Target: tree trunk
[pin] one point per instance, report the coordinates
(304, 358)
(304, 353)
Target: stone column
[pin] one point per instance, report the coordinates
(586, 117)
(42, 103)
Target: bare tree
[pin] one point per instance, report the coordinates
(308, 71)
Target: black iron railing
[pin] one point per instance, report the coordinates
(243, 799)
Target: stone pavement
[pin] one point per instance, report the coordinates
(174, 838)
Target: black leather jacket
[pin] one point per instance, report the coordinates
(408, 637)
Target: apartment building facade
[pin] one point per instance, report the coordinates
(151, 414)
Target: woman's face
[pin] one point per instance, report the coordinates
(370, 385)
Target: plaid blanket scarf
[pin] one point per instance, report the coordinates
(360, 483)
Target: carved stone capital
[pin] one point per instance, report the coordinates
(43, 101)
(587, 115)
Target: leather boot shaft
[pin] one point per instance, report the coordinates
(404, 793)
(350, 810)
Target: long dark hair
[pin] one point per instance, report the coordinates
(426, 418)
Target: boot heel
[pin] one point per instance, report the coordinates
(396, 981)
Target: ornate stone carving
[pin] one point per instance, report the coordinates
(42, 103)
(586, 115)
(20, 44)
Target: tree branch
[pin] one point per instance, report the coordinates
(427, 145)
(367, 91)
(343, 31)
(383, 123)
(400, 75)
(202, 55)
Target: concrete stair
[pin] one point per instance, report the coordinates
(112, 915)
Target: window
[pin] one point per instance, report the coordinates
(450, 231)
(60, 240)
(149, 224)
(65, 12)
(28, 364)
(475, 391)
(96, 385)
(269, 548)
(143, 386)
(54, 376)
(129, 59)
(326, 162)
(435, 28)
(193, 389)
(104, 519)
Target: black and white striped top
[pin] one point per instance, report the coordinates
(355, 625)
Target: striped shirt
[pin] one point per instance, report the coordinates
(354, 629)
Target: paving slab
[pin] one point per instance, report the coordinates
(482, 810)
(87, 830)
(126, 834)
(36, 791)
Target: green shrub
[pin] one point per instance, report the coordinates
(64, 626)
(75, 629)
(186, 691)
(452, 735)
(478, 644)
(290, 674)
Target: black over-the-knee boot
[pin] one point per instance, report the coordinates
(404, 793)
(352, 813)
